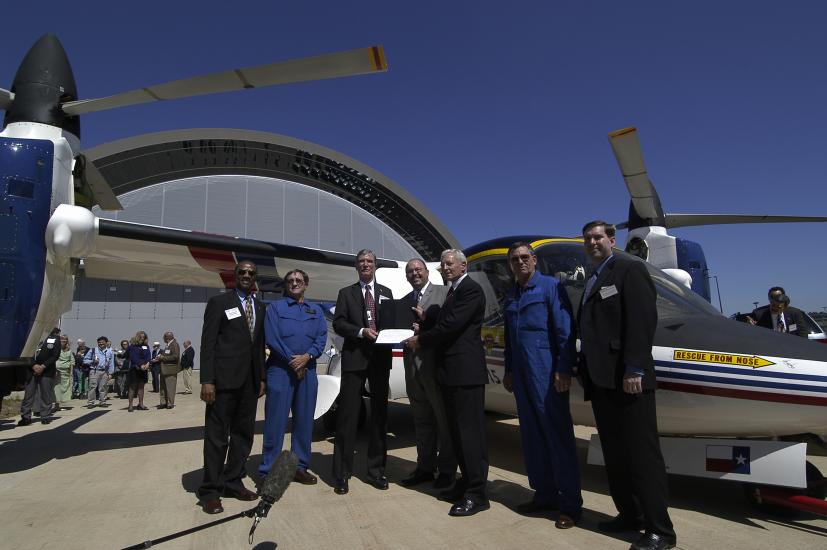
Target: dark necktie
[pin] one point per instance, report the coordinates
(589, 285)
(417, 295)
(450, 293)
(371, 305)
(248, 310)
(779, 327)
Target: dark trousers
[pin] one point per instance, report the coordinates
(465, 409)
(434, 450)
(155, 369)
(229, 424)
(347, 422)
(39, 395)
(628, 430)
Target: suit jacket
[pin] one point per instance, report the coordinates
(351, 316)
(47, 355)
(188, 358)
(794, 318)
(431, 302)
(227, 350)
(170, 357)
(456, 337)
(617, 324)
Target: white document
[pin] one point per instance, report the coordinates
(393, 335)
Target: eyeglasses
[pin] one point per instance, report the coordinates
(251, 272)
(295, 281)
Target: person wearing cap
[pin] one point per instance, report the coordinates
(101, 364)
(779, 315)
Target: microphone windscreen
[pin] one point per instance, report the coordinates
(280, 476)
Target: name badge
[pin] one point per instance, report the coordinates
(309, 310)
(792, 328)
(166, 351)
(232, 313)
(608, 291)
(383, 298)
(144, 347)
(50, 340)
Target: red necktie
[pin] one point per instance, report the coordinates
(371, 305)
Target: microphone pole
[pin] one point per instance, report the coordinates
(272, 489)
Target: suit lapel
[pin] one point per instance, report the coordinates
(604, 274)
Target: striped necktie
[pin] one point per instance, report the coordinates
(248, 310)
(371, 305)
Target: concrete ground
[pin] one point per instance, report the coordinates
(106, 478)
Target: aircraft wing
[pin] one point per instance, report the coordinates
(6, 98)
(138, 252)
(687, 220)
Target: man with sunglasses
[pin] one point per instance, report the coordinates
(295, 331)
(232, 379)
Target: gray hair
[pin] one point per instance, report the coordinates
(366, 252)
(458, 254)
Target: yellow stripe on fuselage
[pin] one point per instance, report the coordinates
(534, 244)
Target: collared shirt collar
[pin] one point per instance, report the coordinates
(363, 284)
(603, 264)
(456, 283)
(243, 297)
(532, 281)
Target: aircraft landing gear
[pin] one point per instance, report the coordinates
(784, 501)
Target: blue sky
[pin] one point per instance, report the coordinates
(495, 115)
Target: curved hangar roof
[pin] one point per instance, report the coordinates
(141, 161)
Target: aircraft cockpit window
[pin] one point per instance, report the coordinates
(675, 300)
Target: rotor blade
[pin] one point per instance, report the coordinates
(629, 157)
(101, 191)
(688, 220)
(334, 65)
(6, 98)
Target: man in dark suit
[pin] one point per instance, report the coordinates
(434, 451)
(187, 362)
(617, 321)
(779, 315)
(456, 337)
(362, 310)
(40, 377)
(232, 379)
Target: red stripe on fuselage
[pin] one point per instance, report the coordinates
(216, 261)
(744, 394)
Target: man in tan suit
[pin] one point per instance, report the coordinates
(169, 358)
(433, 440)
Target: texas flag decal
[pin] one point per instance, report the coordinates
(727, 459)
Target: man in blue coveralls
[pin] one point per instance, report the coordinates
(539, 355)
(296, 333)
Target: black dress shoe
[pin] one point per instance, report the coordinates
(468, 507)
(304, 477)
(564, 521)
(380, 482)
(24, 421)
(46, 420)
(244, 494)
(651, 541)
(444, 480)
(341, 488)
(533, 507)
(619, 524)
(418, 476)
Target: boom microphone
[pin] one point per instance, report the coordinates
(277, 480)
(274, 486)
